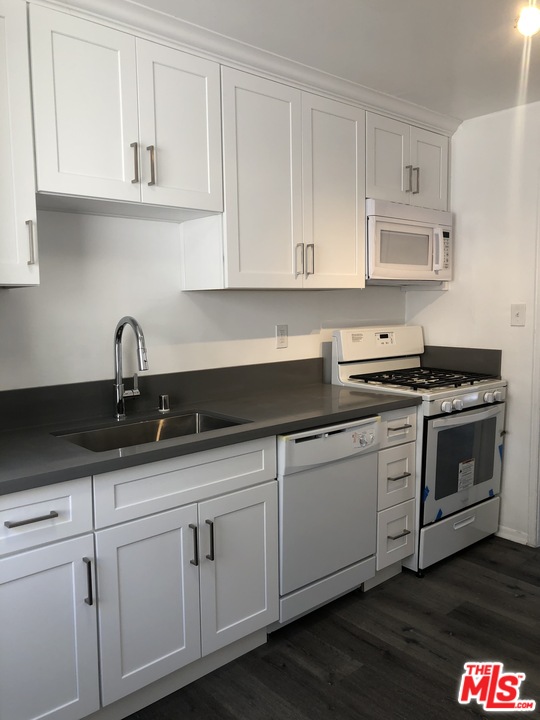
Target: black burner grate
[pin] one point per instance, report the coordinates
(421, 378)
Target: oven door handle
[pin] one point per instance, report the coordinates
(466, 416)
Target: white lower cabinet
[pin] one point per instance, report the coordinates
(181, 584)
(187, 560)
(48, 633)
(148, 600)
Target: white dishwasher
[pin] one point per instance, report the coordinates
(327, 482)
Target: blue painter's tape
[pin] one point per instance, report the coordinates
(439, 515)
(491, 493)
(425, 495)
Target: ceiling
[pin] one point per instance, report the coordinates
(460, 58)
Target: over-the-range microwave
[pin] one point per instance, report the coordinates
(407, 244)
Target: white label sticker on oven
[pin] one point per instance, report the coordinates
(466, 474)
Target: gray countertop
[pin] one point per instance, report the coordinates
(34, 457)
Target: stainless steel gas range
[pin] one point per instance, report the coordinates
(460, 433)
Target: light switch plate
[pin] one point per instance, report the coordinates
(517, 314)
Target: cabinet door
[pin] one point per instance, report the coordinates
(334, 190)
(18, 261)
(429, 153)
(180, 121)
(148, 600)
(85, 107)
(263, 181)
(388, 164)
(48, 634)
(239, 565)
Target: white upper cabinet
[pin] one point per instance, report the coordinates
(406, 164)
(294, 193)
(180, 128)
(120, 118)
(18, 249)
(263, 180)
(333, 191)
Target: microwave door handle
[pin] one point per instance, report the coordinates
(437, 248)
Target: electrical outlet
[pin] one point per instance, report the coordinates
(517, 314)
(282, 336)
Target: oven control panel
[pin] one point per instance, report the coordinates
(384, 338)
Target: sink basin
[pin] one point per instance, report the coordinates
(147, 431)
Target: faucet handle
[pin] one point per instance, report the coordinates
(135, 391)
(164, 406)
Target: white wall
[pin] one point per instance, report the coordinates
(95, 269)
(495, 197)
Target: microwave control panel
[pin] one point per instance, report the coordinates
(446, 249)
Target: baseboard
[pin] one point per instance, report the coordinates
(513, 535)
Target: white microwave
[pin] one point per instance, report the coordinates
(406, 244)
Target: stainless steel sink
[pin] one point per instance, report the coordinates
(147, 431)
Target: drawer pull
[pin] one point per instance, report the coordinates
(463, 523)
(400, 427)
(399, 477)
(90, 599)
(195, 560)
(212, 553)
(18, 523)
(401, 534)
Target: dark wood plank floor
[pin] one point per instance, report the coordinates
(394, 653)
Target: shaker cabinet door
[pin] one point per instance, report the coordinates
(180, 128)
(388, 165)
(48, 633)
(85, 107)
(429, 154)
(333, 156)
(148, 600)
(263, 181)
(18, 251)
(239, 565)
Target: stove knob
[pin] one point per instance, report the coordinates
(446, 406)
(457, 404)
(489, 397)
(498, 396)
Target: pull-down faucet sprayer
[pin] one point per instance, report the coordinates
(119, 391)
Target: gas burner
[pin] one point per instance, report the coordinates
(421, 378)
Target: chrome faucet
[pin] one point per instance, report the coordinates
(119, 391)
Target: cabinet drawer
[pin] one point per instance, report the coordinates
(395, 534)
(41, 515)
(134, 492)
(396, 475)
(398, 426)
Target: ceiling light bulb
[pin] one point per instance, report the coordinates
(529, 21)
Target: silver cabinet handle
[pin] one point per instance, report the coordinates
(31, 242)
(400, 427)
(135, 147)
(399, 477)
(417, 171)
(463, 523)
(298, 272)
(212, 554)
(195, 560)
(89, 600)
(152, 150)
(401, 534)
(409, 168)
(311, 247)
(29, 521)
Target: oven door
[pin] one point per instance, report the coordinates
(462, 461)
